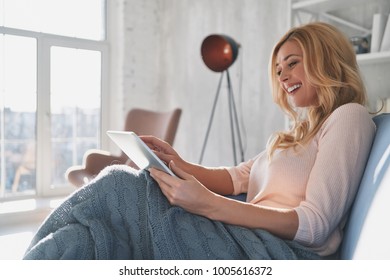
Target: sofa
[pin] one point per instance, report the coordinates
(368, 227)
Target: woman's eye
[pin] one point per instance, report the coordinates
(292, 64)
(278, 73)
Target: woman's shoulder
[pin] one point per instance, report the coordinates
(351, 108)
(350, 115)
(351, 112)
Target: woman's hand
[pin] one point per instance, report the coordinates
(163, 150)
(184, 191)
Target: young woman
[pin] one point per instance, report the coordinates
(299, 189)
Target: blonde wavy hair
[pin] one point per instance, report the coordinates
(330, 66)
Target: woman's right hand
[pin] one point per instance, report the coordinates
(163, 150)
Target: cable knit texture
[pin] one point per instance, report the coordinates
(122, 214)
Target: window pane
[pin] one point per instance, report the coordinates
(17, 115)
(75, 107)
(73, 18)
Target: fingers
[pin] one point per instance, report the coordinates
(166, 158)
(162, 149)
(185, 191)
(162, 177)
(178, 171)
(165, 182)
(155, 143)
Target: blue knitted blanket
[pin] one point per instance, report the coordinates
(122, 214)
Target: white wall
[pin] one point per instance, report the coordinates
(162, 68)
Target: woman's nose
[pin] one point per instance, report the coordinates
(284, 75)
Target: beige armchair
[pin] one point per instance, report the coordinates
(143, 122)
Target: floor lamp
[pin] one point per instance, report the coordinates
(218, 53)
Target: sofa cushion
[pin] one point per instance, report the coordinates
(367, 232)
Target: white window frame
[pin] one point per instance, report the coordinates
(43, 133)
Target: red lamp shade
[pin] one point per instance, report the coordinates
(219, 52)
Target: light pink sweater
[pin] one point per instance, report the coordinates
(319, 180)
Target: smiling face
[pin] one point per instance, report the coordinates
(291, 75)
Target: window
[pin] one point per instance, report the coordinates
(18, 113)
(75, 107)
(52, 88)
(60, 17)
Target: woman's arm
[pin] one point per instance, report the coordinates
(217, 180)
(281, 222)
(188, 193)
(197, 189)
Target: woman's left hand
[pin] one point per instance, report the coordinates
(184, 191)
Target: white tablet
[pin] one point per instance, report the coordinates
(137, 150)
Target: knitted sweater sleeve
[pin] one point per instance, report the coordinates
(344, 143)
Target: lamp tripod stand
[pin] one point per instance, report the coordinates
(234, 124)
